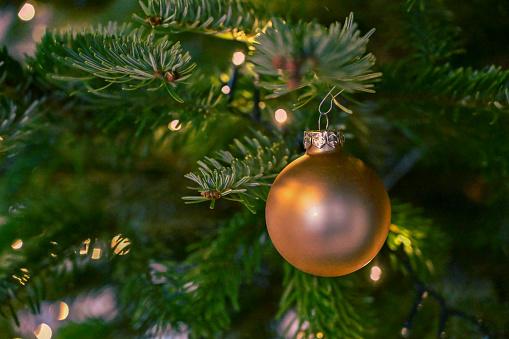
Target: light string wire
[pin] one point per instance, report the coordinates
(424, 291)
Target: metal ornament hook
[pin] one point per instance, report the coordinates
(330, 108)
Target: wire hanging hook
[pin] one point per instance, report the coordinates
(325, 113)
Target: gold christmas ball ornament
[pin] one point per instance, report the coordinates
(327, 213)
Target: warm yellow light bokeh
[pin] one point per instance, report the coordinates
(119, 244)
(281, 115)
(174, 125)
(238, 58)
(43, 332)
(27, 12)
(376, 273)
(225, 89)
(64, 311)
(17, 244)
(84, 250)
(96, 253)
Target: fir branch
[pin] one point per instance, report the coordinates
(219, 269)
(15, 125)
(431, 36)
(113, 54)
(236, 179)
(485, 90)
(207, 282)
(424, 291)
(43, 227)
(309, 55)
(468, 87)
(321, 305)
(230, 19)
(415, 235)
(410, 235)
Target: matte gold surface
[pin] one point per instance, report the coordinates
(327, 213)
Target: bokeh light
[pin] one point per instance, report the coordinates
(376, 273)
(224, 77)
(281, 115)
(119, 244)
(174, 125)
(225, 89)
(238, 58)
(43, 332)
(96, 253)
(84, 250)
(17, 244)
(27, 12)
(62, 310)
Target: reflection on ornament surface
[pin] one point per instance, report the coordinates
(327, 213)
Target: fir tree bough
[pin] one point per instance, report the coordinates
(237, 179)
(119, 56)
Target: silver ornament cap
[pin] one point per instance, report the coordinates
(323, 141)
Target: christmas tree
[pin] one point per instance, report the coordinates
(139, 142)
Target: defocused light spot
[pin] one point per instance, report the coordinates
(238, 58)
(21, 281)
(404, 332)
(190, 286)
(43, 332)
(17, 244)
(225, 89)
(224, 77)
(84, 251)
(15, 209)
(174, 125)
(1, 139)
(23, 270)
(319, 335)
(59, 310)
(376, 273)
(27, 12)
(280, 115)
(262, 105)
(63, 311)
(425, 295)
(119, 245)
(96, 253)
(53, 255)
